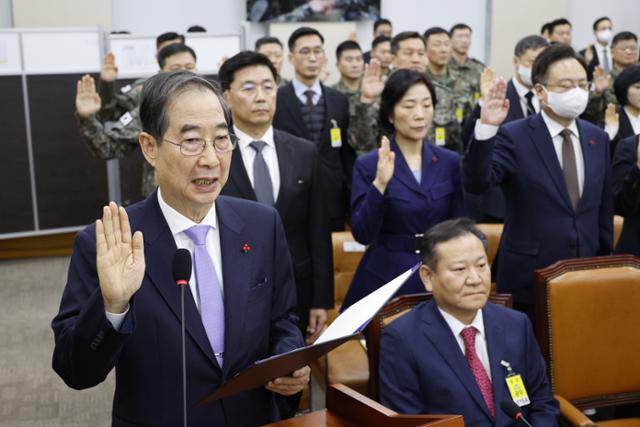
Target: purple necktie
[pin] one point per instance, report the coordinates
(211, 302)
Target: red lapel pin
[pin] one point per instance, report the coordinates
(246, 248)
(434, 159)
(591, 142)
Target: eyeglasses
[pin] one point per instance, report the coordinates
(195, 146)
(306, 52)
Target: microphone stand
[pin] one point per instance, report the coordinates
(184, 360)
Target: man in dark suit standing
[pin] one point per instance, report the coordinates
(626, 188)
(310, 110)
(489, 207)
(554, 170)
(599, 53)
(280, 170)
(456, 354)
(121, 308)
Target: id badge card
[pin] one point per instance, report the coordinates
(516, 386)
(336, 135)
(440, 136)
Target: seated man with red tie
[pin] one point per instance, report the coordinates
(456, 353)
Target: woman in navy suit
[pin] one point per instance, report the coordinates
(401, 189)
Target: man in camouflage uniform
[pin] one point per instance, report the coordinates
(272, 48)
(461, 63)
(624, 53)
(351, 67)
(455, 95)
(117, 138)
(408, 50)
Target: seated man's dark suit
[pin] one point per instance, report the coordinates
(259, 297)
(424, 371)
(626, 188)
(541, 226)
(337, 162)
(301, 206)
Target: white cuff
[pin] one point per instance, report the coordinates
(116, 319)
(483, 131)
(612, 131)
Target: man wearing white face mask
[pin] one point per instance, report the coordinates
(553, 169)
(599, 53)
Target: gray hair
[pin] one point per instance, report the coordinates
(162, 88)
(529, 42)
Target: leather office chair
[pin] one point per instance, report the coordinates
(346, 364)
(493, 233)
(394, 309)
(587, 326)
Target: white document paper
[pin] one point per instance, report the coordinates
(359, 314)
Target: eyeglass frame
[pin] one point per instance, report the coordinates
(234, 142)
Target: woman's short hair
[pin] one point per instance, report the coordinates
(397, 85)
(626, 78)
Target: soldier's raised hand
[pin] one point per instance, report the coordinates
(600, 80)
(87, 99)
(372, 81)
(119, 258)
(487, 79)
(611, 118)
(386, 165)
(109, 69)
(496, 106)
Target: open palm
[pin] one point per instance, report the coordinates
(88, 101)
(496, 106)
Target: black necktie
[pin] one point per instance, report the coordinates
(530, 110)
(569, 168)
(261, 178)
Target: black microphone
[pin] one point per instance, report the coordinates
(510, 408)
(181, 275)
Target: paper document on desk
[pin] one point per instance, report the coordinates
(356, 317)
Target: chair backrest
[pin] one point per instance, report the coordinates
(618, 222)
(393, 310)
(493, 233)
(587, 323)
(346, 257)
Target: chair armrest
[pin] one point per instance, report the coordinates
(572, 415)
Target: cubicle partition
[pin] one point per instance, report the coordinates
(49, 181)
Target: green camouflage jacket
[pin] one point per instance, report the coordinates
(115, 104)
(598, 103)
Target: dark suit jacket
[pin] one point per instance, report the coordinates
(337, 162)
(366, 57)
(423, 370)
(595, 61)
(625, 130)
(490, 206)
(541, 226)
(408, 207)
(259, 297)
(626, 188)
(304, 216)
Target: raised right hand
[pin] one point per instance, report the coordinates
(372, 82)
(386, 165)
(487, 79)
(109, 70)
(87, 99)
(600, 80)
(119, 258)
(496, 104)
(611, 118)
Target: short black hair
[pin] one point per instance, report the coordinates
(554, 53)
(444, 232)
(165, 37)
(405, 35)
(623, 36)
(160, 89)
(433, 31)
(381, 21)
(529, 42)
(346, 45)
(628, 77)
(598, 21)
(173, 49)
(301, 32)
(378, 40)
(545, 28)
(398, 83)
(196, 29)
(237, 62)
(459, 26)
(267, 40)
(556, 23)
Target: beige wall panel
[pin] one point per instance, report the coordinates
(62, 13)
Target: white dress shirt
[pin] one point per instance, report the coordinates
(269, 154)
(300, 89)
(634, 120)
(457, 326)
(178, 223)
(600, 52)
(522, 91)
(483, 132)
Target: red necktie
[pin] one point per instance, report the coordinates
(478, 371)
